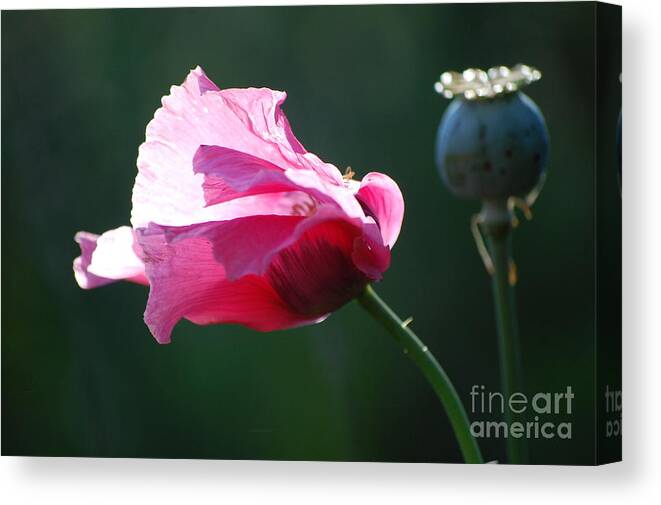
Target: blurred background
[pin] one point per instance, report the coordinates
(81, 374)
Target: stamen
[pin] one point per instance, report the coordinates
(348, 174)
(512, 274)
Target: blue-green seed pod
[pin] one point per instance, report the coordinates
(491, 145)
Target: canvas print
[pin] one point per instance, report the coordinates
(342, 233)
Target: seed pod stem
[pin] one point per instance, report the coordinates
(499, 241)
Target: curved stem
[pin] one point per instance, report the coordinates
(430, 368)
(499, 243)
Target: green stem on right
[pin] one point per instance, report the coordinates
(499, 242)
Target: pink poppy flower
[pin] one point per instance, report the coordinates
(233, 221)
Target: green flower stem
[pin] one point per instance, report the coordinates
(430, 368)
(499, 239)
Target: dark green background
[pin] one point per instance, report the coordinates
(82, 376)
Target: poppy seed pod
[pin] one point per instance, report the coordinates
(492, 141)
